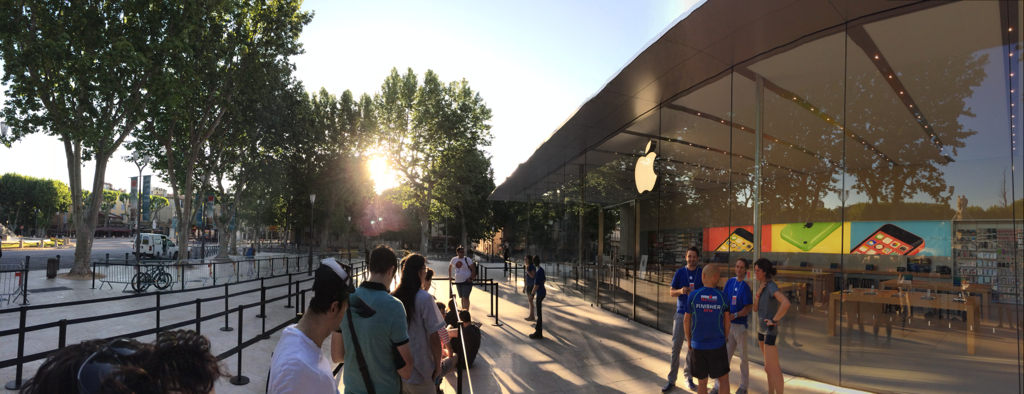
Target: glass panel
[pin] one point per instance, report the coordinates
(927, 142)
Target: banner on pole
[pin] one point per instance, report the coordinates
(145, 198)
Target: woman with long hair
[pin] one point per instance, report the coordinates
(424, 321)
(771, 305)
(531, 271)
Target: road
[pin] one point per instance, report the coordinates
(117, 247)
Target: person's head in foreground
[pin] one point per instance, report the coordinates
(710, 275)
(178, 362)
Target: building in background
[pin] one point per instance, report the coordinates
(861, 145)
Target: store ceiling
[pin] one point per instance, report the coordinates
(706, 132)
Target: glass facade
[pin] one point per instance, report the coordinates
(878, 163)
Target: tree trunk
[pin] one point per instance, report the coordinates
(425, 226)
(85, 226)
(465, 234)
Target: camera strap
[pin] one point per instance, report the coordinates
(363, 368)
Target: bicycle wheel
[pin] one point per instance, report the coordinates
(163, 280)
(140, 282)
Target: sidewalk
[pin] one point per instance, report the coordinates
(586, 350)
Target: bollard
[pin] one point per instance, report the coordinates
(289, 291)
(199, 315)
(16, 383)
(226, 327)
(239, 379)
(93, 275)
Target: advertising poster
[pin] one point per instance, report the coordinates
(911, 238)
(735, 239)
(818, 237)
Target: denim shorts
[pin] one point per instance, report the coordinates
(464, 289)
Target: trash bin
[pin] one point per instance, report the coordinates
(52, 265)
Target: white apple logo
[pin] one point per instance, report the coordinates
(644, 172)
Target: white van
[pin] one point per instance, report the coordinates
(158, 246)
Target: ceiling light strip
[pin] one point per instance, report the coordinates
(863, 40)
(709, 149)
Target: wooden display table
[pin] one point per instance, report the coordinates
(984, 290)
(884, 297)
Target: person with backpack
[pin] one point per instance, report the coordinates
(424, 321)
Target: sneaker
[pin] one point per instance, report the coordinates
(530, 319)
(714, 390)
(741, 391)
(536, 335)
(667, 387)
(689, 382)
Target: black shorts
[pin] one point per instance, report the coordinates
(713, 363)
(767, 339)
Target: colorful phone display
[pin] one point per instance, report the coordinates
(740, 240)
(890, 240)
(806, 236)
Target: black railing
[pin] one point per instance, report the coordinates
(109, 272)
(299, 295)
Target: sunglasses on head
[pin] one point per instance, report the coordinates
(99, 365)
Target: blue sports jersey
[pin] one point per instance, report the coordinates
(683, 278)
(739, 295)
(707, 308)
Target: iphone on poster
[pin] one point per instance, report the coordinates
(890, 240)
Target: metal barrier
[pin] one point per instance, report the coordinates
(299, 295)
(13, 281)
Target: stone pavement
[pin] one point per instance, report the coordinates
(587, 349)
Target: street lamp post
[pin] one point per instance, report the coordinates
(312, 199)
(140, 161)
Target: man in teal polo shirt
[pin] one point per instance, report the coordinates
(379, 334)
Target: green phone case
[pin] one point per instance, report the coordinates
(808, 235)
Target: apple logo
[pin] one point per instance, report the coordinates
(644, 172)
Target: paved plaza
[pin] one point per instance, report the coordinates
(586, 349)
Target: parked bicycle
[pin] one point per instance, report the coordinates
(156, 276)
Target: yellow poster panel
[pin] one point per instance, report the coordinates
(821, 237)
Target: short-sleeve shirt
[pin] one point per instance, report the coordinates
(707, 308)
(538, 282)
(299, 366)
(463, 272)
(739, 295)
(683, 278)
(530, 281)
(426, 320)
(767, 307)
(377, 336)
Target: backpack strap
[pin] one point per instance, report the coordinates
(363, 368)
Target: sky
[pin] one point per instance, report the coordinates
(533, 62)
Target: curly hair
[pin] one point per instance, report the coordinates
(180, 361)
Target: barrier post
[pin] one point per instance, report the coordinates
(497, 291)
(24, 288)
(490, 290)
(239, 379)
(310, 271)
(94, 275)
(16, 383)
(62, 335)
(226, 310)
(289, 287)
(199, 316)
(263, 300)
(158, 314)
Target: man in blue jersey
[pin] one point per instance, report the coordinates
(685, 281)
(741, 300)
(707, 326)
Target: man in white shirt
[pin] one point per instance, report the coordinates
(298, 364)
(464, 273)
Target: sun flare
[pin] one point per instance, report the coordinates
(383, 176)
